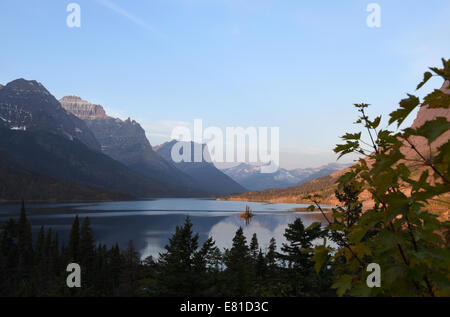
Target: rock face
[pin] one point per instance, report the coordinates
(83, 109)
(126, 142)
(427, 114)
(205, 174)
(28, 106)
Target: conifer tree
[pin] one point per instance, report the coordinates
(301, 276)
(115, 263)
(25, 247)
(254, 248)
(74, 241)
(8, 257)
(87, 252)
(177, 263)
(207, 266)
(129, 271)
(271, 255)
(238, 263)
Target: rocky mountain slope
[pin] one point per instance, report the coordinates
(250, 176)
(27, 105)
(56, 153)
(67, 161)
(204, 173)
(126, 142)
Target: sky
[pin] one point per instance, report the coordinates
(296, 65)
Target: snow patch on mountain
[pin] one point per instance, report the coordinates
(250, 176)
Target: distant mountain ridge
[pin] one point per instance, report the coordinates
(126, 142)
(204, 173)
(57, 153)
(250, 176)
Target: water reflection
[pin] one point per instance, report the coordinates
(150, 224)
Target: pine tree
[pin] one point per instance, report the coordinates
(74, 242)
(25, 248)
(129, 271)
(52, 247)
(40, 261)
(260, 266)
(177, 263)
(39, 247)
(8, 257)
(87, 252)
(238, 263)
(115, 264)
(207, 267)
(271, 256)
(254, 247)
(301, 276)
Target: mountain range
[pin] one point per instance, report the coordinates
(203, 172)
(72, 150)
(27, 105)
(250, 176)
(125, 141)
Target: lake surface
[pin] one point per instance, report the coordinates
(151, 223)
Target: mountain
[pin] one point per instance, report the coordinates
(83, 109)
(126, 142)
(73, 162)
(27, 105)
(250, 176)
(18, 183)
(205, 174)
(56, 152)
(325, 186)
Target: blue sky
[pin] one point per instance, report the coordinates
(299, 65)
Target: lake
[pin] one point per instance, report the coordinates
(150, 223)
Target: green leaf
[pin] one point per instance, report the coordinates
(376, 122)
(320, 257)
(352, 136)
(313, 225)
(343, 284)
(347, 148)
(437, 99)
(356, 235)
(443, 72)
(426, 77)
(406, 106)
(433, 129)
